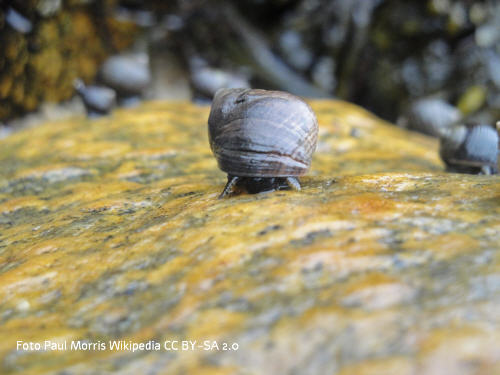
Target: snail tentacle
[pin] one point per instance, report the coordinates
(231, 181)
(293, 182)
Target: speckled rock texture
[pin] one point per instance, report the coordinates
(110, 230)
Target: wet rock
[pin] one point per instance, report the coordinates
(173, 22)
(17, 21)
(207, 80)
(382, 263)
(48, 8)
(169, 76)
(294, 51)
(323, 74)
(265, 64)
(432, 116)
(413, 77)
(128, 75)
(493, 66)
(487, 34)
(470, 62)
(437, 65)
(140, 17)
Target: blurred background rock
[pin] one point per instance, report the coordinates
(46, 44)
(410, 62)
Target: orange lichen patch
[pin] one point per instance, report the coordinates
(89, 193)
(126, 170)
(15, 204)
(451, 245)
(96, 149)
(111, 229)
(385, 366)
(367, 205)
(210, 324)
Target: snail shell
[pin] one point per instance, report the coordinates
(98, 100)
(498, 135)
(260, 133)
(470, 149)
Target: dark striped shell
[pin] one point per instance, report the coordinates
(260, 133)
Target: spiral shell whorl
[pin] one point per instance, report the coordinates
(259, 133)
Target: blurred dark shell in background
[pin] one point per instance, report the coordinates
(381, 54)
(98, 100)
(128, 75)
(471, 149)
(386, 55)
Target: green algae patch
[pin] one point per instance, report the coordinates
(110, 230)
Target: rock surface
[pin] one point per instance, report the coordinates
(110, 230)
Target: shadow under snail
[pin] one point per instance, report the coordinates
(262, 139)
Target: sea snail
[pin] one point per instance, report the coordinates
(262, 139)
(98, 100)
(470, 149)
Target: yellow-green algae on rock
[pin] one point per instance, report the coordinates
(111, 230)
